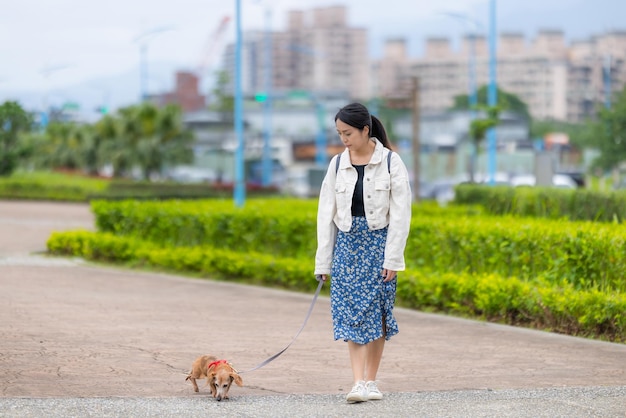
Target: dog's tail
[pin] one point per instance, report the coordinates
(188, 377)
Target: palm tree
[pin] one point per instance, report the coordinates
(64, 145)
(153, 138)
(114, 149)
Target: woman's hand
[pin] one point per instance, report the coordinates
(389, 275)
(321, 277)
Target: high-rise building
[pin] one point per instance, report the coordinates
(392, 74)
(318, 52)
(556, 80)
(597, 71)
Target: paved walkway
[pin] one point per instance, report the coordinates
(70, 329)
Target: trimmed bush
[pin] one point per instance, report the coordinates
(545, 202)
(584, 254)
(50, 186)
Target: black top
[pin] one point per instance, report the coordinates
(358, 208)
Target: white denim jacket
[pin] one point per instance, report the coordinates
(386, 197)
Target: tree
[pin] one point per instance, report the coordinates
(479, 126)
(165, 141)
(223, 102)
(110, 150)
(14, 121)
(579, 134)
(506, 101)
(64, 145)
(149, 138)
(609, 134)
(478, 130)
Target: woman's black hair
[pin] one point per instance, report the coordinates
(357, 116)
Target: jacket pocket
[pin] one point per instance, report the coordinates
(382, 189)
(383, 184)
(341, 196)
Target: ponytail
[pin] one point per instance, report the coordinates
(378, 131)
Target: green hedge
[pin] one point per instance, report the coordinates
(78, 188)
(283, 227)
(537, 303)
(545, 202)
(50, 186)
(125, 189)
(585, 254)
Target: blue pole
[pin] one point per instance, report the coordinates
(267, 105)
(607, 82)
(492, 99)
(473, 101)
(320, 142)
(144, 71)
(240, 186)
(473, 98)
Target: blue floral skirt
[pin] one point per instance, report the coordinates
(361, 303)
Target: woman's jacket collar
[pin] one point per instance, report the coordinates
(377, 156)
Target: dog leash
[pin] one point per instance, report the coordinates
(275, 356)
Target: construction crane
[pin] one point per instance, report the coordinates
(210, 47)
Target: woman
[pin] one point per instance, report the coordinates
(363, 222)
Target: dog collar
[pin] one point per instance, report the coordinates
(215, 363)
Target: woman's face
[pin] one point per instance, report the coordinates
(353, 138)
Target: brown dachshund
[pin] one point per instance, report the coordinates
(219, 375)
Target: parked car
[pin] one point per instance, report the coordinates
(441, 190)
(558, 180)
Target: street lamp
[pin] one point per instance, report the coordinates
(473, 98)
(144, 39)
(239, 192)
(267, 104)
(492, 97)
(492, 92)
(265, 98)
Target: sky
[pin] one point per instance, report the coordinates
(51, 46)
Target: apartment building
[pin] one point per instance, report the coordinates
(318, 52)
(556, 80)
(538, 75)
(392, 75)
(597, 71)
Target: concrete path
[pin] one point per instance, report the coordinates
(70, 329)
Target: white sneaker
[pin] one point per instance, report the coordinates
(358, 393)
(373, 393)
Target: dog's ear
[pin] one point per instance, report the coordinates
(236, 378)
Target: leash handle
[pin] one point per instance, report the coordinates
(306, 318)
